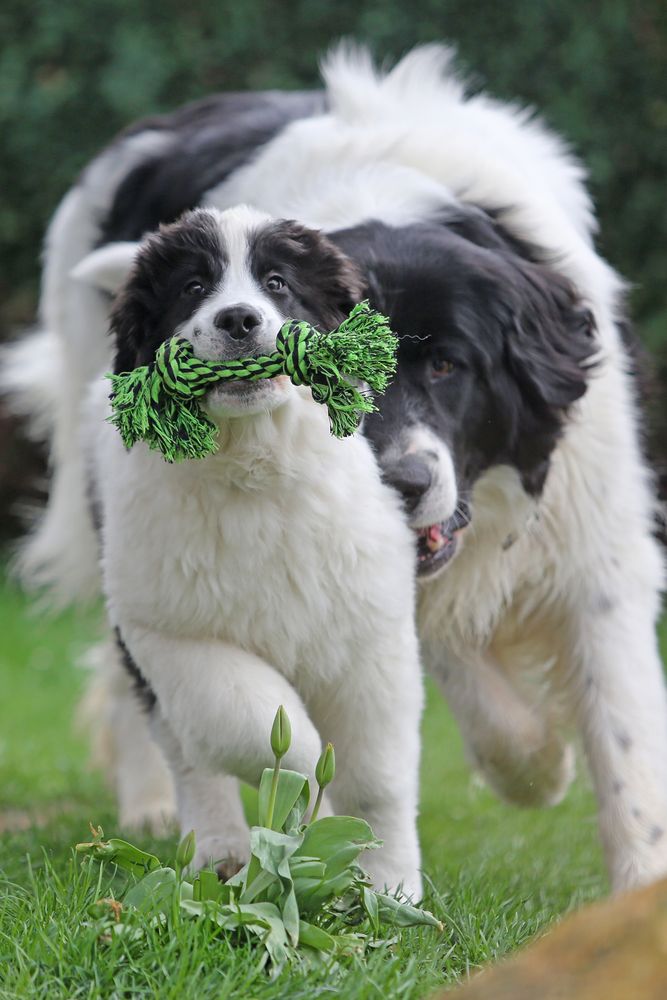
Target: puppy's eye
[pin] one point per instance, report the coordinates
(194, 287)
(440, 368)
(275, 283)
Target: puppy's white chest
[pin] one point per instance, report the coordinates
(280, 566)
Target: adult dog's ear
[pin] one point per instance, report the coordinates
(551, 333)
(550, 348)
(551, 344)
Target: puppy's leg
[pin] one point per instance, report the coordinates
(514, 745)
(619, 690)
(122, 746)
(373, 720)
(220, 703)
(209, 804)
(143, 783)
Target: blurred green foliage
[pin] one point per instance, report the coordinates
(72, 74)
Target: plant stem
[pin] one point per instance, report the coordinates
(254, 867)
(272, 794)
(318, 803)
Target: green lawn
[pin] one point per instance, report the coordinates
(498, 875)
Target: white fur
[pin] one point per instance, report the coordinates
(31, 372)
(106, 268)
(547, 615)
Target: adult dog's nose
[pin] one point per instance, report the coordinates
(237, 321)
(411, 476)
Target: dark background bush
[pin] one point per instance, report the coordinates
(72, 74)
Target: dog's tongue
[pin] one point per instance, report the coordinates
(432, 539)
(437, 543)
(435, 537)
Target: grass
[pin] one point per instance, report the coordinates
(497, 875)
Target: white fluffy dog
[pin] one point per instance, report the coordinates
(276, 571)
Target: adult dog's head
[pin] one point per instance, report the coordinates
(225, 281)
(494, 348)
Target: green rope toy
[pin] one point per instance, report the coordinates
(157, 403)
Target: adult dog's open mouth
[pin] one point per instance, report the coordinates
(437, 543)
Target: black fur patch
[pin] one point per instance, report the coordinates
(208, 141)
(508, 334)
(155, 301)
(322, 284)
(94, 506)
(143, 689)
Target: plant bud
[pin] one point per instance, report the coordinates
(326, 766)
(186, 850)
(281, 733)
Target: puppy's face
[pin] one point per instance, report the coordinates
(227, 281)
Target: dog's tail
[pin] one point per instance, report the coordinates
(29, 376)
(358, 90)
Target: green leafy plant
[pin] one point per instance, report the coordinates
(302, 897)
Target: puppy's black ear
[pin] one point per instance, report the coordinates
(341, 281)
(128, 322)
(327, 282)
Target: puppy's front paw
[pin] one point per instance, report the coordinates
(407, 881)
(228, 867)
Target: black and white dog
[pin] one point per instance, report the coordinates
(511, 430)
(276, 571)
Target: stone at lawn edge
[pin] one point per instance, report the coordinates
(613, 950)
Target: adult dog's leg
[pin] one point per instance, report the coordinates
(373, 720)
(220, 703)
(618, 688)
(514, 745)
(209, 804)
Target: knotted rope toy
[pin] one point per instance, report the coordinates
(158, 403)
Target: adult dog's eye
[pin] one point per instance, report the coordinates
(275, 283)
(194, 287)
(441, 368)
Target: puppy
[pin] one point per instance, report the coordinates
(278, 570)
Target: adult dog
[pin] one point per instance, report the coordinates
(511, 430)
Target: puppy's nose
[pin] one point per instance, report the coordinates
(412, 477)
(237, 321)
